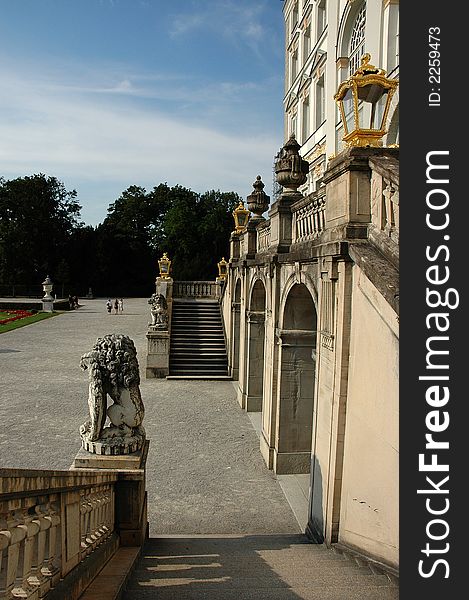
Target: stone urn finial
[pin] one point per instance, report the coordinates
(258, 201)
(290, 169)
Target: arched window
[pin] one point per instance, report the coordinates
(357, 40)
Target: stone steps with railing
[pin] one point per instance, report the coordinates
(197, 347)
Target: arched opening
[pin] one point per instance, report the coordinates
(255, 349)
(297, 363)
(236, 324)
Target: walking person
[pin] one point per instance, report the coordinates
(116, 306)
(109, 305)
(121, 305)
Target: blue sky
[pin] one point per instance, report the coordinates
(103, 94)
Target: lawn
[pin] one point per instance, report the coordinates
(21, 318)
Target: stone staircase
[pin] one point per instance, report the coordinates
(253, 567)
(197, 346)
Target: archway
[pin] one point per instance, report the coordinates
(255, 349)
(297, 363)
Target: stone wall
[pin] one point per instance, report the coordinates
(318, 282)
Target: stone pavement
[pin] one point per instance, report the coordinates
(205, 473)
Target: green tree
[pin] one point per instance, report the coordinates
(37, 218)
(197, 230)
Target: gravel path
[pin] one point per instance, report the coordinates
(205, 473)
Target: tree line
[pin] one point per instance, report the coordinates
(41, 233)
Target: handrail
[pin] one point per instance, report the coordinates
(196, 289)
(50, 521)
(308, 217)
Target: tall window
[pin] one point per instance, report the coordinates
(320, 102)
(294, 65)
(293, 125)
(305, 121)
(294, 17)
(357, 40)
(321, 17)
(306, 43)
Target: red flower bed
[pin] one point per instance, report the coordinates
(14, 315)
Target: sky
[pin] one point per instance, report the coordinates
(104, 94)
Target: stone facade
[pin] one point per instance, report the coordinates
(325, 40)
(311, 317)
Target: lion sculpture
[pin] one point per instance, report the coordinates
(159, 311)
(113, 371)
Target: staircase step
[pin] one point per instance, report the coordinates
(197, 345)
(248, 567)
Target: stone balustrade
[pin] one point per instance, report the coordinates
(196, 289)
(308, 217)
(384, 227)
(263, 236)
(50, 522)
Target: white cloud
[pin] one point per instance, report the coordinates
(107, 142)
(233, 19)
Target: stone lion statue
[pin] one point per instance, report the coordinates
(113, 372)
(159, 311)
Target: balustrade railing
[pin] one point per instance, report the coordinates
(263, 236)
(308, 218)
(385, 200)
(196, 289)
(50, 521)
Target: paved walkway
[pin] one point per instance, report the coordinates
(205, 473)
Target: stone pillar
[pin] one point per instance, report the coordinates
(159, 339)
(348, 181)
(250, 239)
(293, 440)
(234, 246)
(158, 354)
(235, 320)
(131, 521)
(255, 361)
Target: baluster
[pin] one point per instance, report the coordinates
(89, 539)
(22, 588)
(84, 511)
(315, 223)
(37, 578)
(6, 559)
(101, 498)
(93, 518)
(53, 557)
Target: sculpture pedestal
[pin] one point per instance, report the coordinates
(131, 521)
(158, 354)
(126, 462)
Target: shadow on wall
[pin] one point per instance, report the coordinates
(315, 527)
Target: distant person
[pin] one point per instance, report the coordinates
(109, 306)
(71, 302)
(121, 305)
(116, 306)
(75, 302)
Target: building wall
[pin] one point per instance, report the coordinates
(329, 393)
(370, 491)
(317, 59)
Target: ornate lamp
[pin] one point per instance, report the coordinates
(241, 217)
(165, 265)
(364, 100)
(222, 268)
(47, 286)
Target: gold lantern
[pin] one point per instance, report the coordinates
(165, 266)
(364, 100)
(222, 269)
(241, 217)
